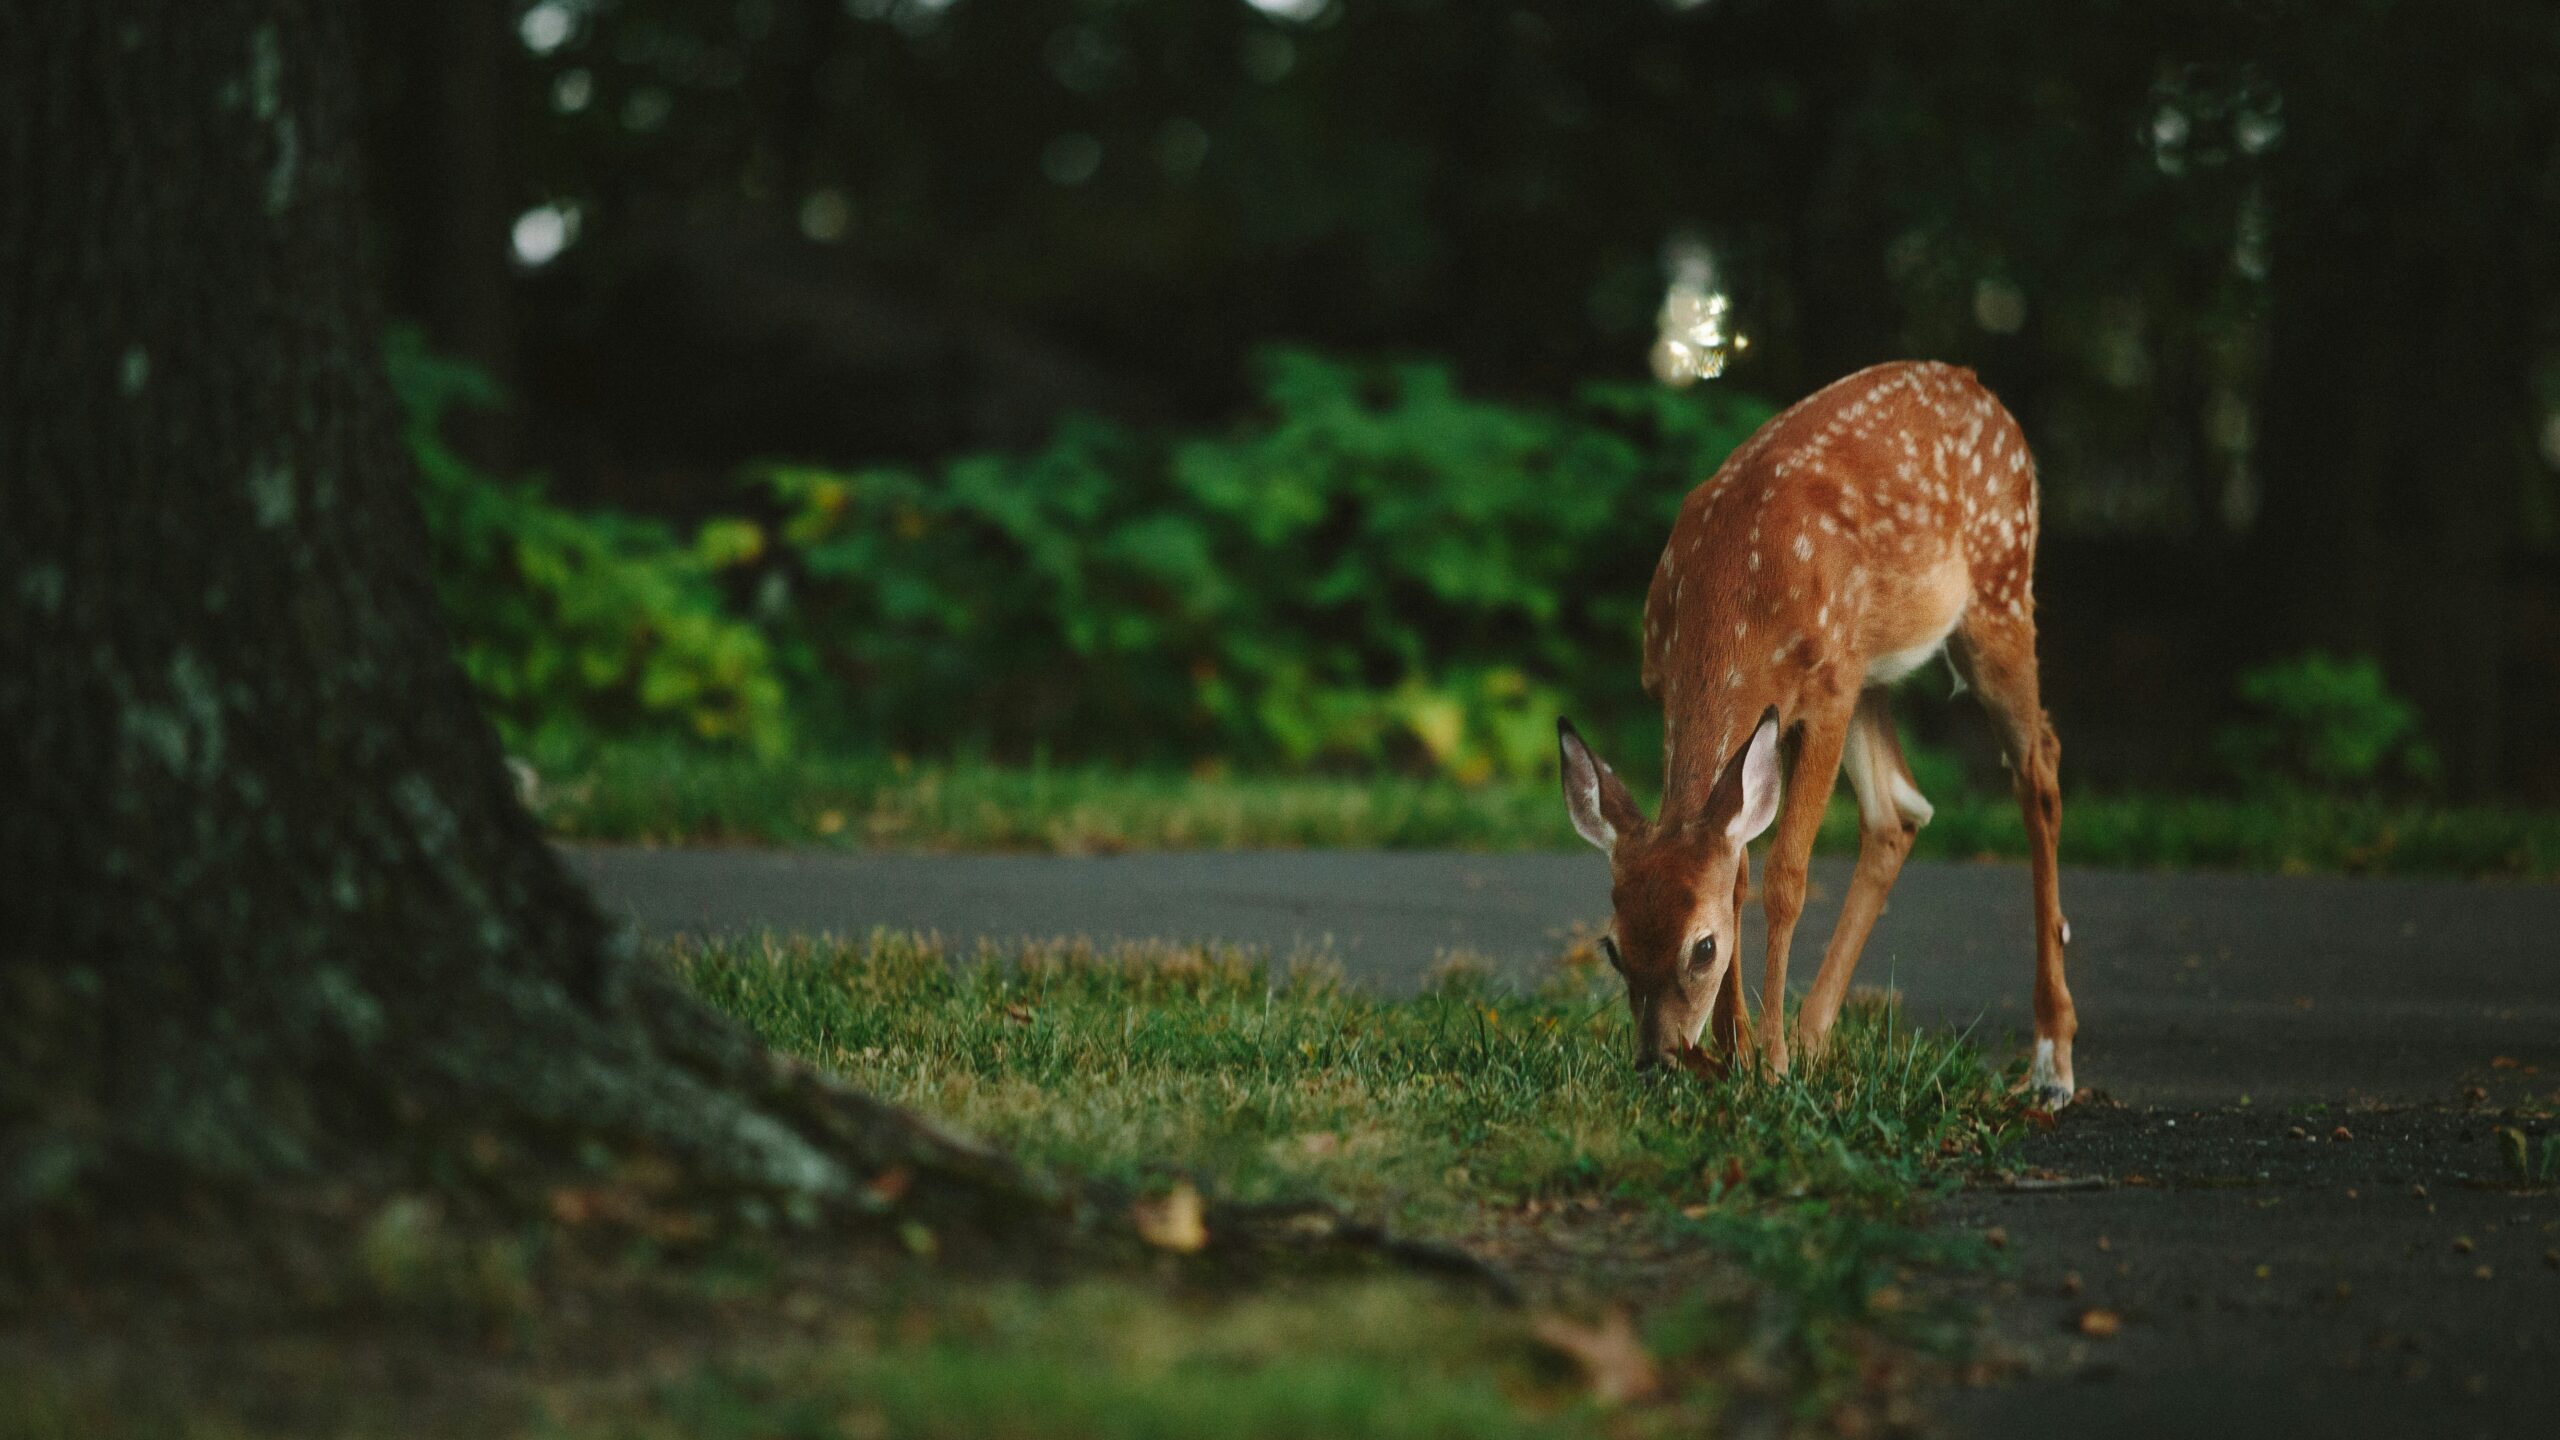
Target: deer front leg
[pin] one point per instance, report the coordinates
(1808, 790)
(1891, 811)
(1732, 1015)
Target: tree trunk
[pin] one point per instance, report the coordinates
(272, 903)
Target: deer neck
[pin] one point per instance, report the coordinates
(1708, 713)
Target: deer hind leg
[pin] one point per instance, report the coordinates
(1810, 777)
(1891, 811)
(2000, 654)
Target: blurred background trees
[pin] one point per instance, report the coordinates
(2269, 284)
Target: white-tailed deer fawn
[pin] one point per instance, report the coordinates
(1881, 519)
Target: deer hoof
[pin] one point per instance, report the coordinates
(2046, 1087)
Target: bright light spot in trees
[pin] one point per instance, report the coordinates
(2257, 132)
(1298, 10)
(1696, 337)
(547, 26)
(571, 92)
(2551, 440)
(542, 232)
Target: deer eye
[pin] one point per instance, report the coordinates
(1702, 954)
(1609, 947)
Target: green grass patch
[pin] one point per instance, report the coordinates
(1763, 1234)
(668, 795)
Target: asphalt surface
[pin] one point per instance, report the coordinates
(2232, 1026)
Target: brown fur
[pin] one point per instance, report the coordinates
(1837, 548)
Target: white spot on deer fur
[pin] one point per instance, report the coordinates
(2018, 460)
(1829, 525)
(1733, 679)
(1755, 560)
(1804, 547)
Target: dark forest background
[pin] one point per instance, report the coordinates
(2270, 285)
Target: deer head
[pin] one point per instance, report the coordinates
(1672, 931)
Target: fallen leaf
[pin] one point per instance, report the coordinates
(2503, 1062)
(890, 1185)
(1997, 1237)
(2342, 1133)
(1613, 1360)
(2100, 1324)
(2071, 1282)
(2462, 1243)
(1018, 1014)
(1172, 1221)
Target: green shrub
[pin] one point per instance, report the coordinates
(2323, 724)
(579, 626)
(1375, 568)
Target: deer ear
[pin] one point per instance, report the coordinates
(1748, 789)
(1594, 796)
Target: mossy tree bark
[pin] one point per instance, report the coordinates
(272, 907)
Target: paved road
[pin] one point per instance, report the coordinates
(2193, 989)
(2236, 1022)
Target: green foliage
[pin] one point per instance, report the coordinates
(2323, 724)
(581, 625)
(1376, 568)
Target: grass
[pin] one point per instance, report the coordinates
(1692, 1257)
(1764, 1235)
(673, 796)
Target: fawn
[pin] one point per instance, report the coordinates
(1884, 518)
